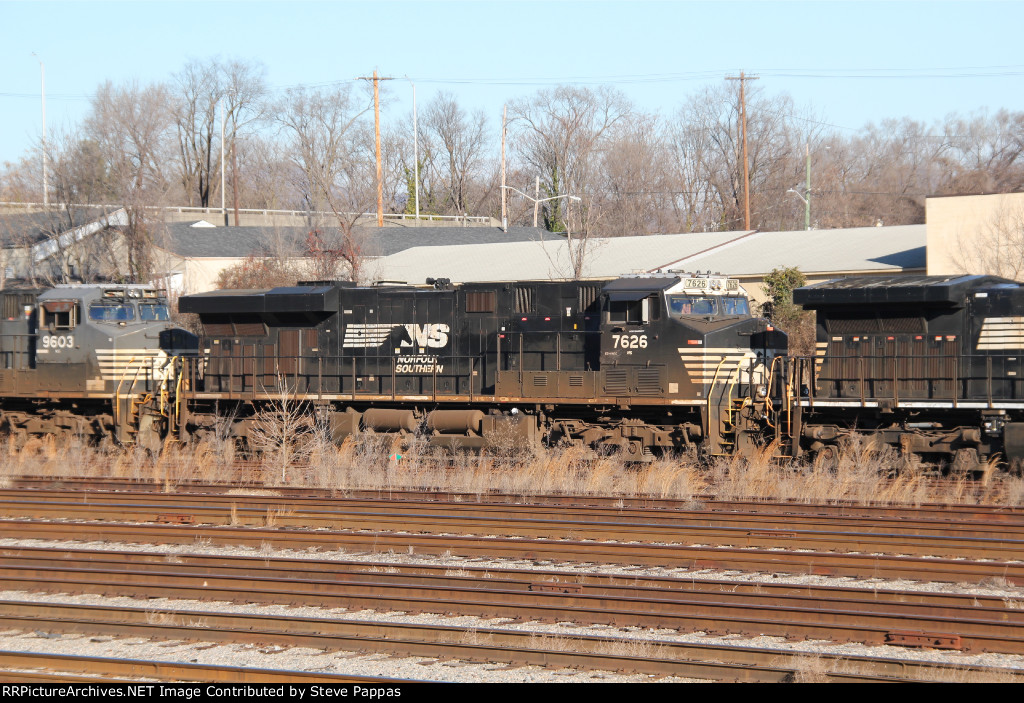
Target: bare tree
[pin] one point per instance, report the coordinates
(332, 155)
(201, 88)
(557, 135)
(131, 127)
(453, 145)
(634, 192)
(984, 154)
(707, 144)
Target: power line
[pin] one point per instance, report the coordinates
(1010, 70)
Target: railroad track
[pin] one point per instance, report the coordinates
(977, 539)
(947, 621)
(978, 511)
(962, 623)
(659, 658)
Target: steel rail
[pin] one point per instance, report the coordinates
(763, 536)
(664, 555)
(432, 576)
(486, 644)
(320, 509)
(29, 666)
(710, 503)
(964, 628)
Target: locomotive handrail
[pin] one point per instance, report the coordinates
(988, 378)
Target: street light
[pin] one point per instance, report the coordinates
(537, 202)
(42, 92)
(807, 206)
(807, 189)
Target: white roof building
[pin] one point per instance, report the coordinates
(819, 254)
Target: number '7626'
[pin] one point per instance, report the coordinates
(629, 341)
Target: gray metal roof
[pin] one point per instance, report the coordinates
(880, 249)
(26, 228)
(189, 241)
(867, 249)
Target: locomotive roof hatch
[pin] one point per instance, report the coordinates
(303, 298)
(919, 290)
(639, 286)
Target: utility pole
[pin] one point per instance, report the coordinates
(746, 165)
(504, 210)
(223, 154)
(415, 155)
(376, 117)
(536, 200)
(234, 175)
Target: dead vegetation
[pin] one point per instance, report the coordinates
(864, 473)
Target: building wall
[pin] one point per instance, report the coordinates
(976, 234)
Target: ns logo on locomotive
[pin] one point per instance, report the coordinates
(640, 365)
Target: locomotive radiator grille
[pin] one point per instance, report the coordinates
(616, 382)
(648, 382)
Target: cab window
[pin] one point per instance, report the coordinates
(60, 314)
(151, 311)
(684, 305)
(627, 311)
(735, 306)
(107, 312)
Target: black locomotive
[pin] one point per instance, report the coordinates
(932, 365)
(88, 360)
(637, 365)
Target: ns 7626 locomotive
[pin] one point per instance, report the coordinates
(638, 365)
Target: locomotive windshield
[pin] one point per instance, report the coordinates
(706, 305)
(154, 311)
(107, 312)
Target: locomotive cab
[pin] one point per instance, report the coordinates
(692, 338)
(82, 358)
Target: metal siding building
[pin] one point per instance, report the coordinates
(819, 254)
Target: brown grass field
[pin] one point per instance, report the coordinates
(865, 473)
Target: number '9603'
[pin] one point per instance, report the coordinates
(62, 341)
(629, 341)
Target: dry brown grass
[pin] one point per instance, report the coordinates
(865, 473)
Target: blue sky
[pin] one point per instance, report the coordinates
(852, 62)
